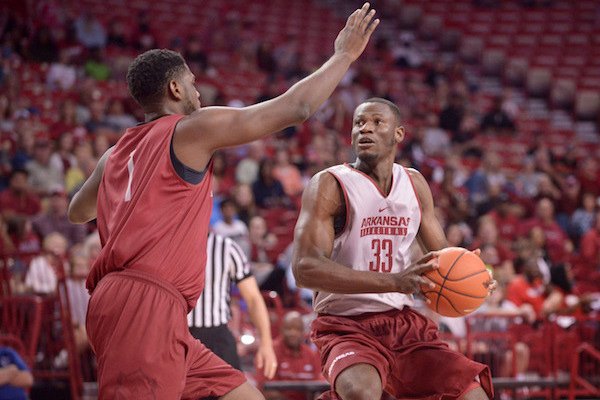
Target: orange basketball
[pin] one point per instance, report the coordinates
(459, 283)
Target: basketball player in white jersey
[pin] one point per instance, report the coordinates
(352, 243)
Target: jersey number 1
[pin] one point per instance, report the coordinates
(130, 170)
(383, 255)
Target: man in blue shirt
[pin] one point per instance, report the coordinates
(15, 376)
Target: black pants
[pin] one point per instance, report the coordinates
(220, 340)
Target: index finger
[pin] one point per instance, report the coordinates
(429, 256)
(420, 269)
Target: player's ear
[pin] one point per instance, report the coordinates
(175, 90)
(399, 134)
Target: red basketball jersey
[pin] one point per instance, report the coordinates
(149, 218)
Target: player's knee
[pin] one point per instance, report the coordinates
(353, 390)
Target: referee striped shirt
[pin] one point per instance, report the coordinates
(225, 263)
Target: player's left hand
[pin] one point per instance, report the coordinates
(491, 284)
(266, 360)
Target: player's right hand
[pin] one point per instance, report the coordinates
(353, 38)
(410, 280)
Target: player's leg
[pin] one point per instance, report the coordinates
(359, 382)
(128, 324)
(354, 362)
(424, 366)
(210, 377)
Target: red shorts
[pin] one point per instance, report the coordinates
(405, 349)
(138, 329)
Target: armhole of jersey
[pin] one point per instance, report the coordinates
(186, 173)
(346, 204)
(415, 191)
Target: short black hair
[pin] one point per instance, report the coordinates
(388, 103)
(149, 74)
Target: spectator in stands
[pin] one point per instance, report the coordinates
(54, 219)
(436, 141)
(582, 219)
(590, 245)
(528, 179)
(194, 53)
(20, 229)
(7, 245)
(406, 54)
(90, 32)
(43, 47)
(45, 269)
(231, 227)
(96, 66)
(15, 376)
(144, 39)
(67, 119)
(497, 121)
(116, 35)
(116, 117)
(558, 244)
(487, 235)
(79, 262)
(62, 74)
(244, 199)
(589, 175)
(18, 199)
(43, 175)
(297, 360)
(247, 169)
(97, 119)
(529, 289)
(452, 115)
(85, 164)
(268, 191)
(222, 177)
(288, 174)
(63, 158)
(261, 240)
(457, 235)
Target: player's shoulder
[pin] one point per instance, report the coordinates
(414, 174)
(324, 177)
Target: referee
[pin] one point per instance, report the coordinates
(227, 263)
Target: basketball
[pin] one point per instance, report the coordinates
(459, 283)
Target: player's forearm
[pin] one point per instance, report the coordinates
(260, 319)
(311, 92)
(321, 274)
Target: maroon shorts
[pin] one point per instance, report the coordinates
(137, 327)
(405, 349)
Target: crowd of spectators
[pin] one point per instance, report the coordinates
(62, 104)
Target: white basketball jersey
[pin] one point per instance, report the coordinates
(377, 237)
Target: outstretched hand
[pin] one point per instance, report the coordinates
(353, 38)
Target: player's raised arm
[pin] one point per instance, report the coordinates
(82, 207)
(313, 244)
(211, 128)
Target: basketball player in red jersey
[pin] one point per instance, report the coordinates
(151, 195)
(353, 246)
